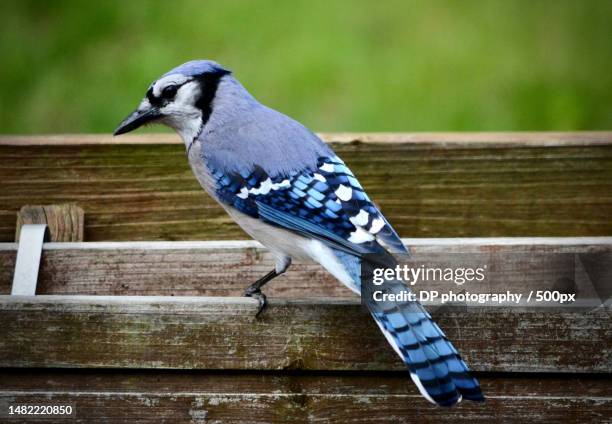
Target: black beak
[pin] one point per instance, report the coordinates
(137, 119)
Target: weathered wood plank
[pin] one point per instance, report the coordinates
(446, 139)
(225, 268)
(222, 333)
(65, 222)
(177, 397)
(136, 191)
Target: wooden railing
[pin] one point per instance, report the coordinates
(126, 331)
(428, 185)
(313, 323)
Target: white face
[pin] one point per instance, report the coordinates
(176, 97)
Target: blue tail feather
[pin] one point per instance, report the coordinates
(435, 365)
(430, 356)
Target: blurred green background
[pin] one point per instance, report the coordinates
(441, 65)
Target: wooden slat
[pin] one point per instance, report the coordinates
(510, 185)
(222, 333)
(65, 222)
(180, 397)
(441, 139)
(225, 268)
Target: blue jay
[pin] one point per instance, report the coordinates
(287, 189)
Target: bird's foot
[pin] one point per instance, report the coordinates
(256, 293)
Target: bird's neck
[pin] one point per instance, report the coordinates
(190, 130)
(231, 103)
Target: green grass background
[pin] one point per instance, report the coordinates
(350, 65)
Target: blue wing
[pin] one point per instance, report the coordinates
(327, 203)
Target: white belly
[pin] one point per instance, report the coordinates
(286, 245)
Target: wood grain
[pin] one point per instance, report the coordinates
(440, 139)
(137, 191)
(66, 222)
(224, 268)
(202, 397)
(222, 333)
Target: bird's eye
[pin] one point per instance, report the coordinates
(169, 92)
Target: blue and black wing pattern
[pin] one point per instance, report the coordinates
(327, 203)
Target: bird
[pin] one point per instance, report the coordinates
(290, 191)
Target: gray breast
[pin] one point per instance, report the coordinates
(199, 169)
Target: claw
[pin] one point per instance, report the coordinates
(256, 293)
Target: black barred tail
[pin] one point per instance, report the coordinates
(435, 365)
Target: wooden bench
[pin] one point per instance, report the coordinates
(128, 331)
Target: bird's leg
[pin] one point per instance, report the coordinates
(254, 290)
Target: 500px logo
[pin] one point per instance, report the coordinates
(412, 275)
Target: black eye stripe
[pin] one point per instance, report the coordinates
(165, 96)
(169, 92)
(155, 101)
(208, 85)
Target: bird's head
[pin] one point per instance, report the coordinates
(181, 99)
